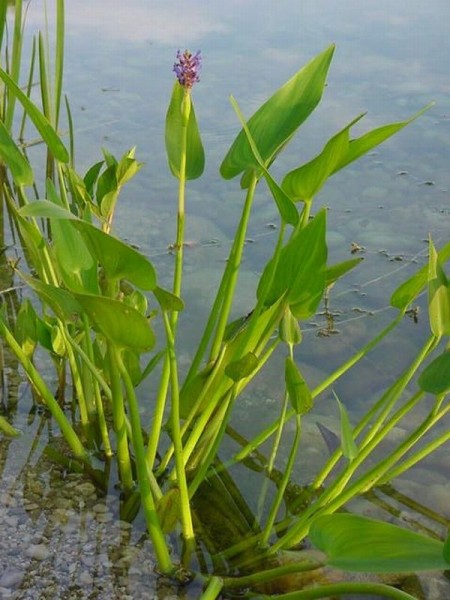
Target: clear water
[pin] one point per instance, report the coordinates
(391, 59)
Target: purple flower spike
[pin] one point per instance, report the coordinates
(188, 67)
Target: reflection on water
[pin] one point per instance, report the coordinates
(61, 537)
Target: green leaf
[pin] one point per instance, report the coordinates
(355, 543)
(91, 177)
(290, 331)
(446, 550)
(62, 303)
(438, 295)
(193, 389)
(300, 270)
(16, 162)
(349, 448)
(412, 287)
(118, 322)
(77, 266)
(195, 155)
(32, 238)
(305, 182)
(137, 300)
(45, 209)
(233, 328)
(287, 210)
(298, 390)
(243, 367)
(119, 260)
(360, 146)
(338, 270)
(25, 327)
(167, 300)
(57, 341)
(7, 428)
(286, 207)
(106, 187)
(128, 167)
(44, 332)
(41, 123)
(435, 379)
(276, 121)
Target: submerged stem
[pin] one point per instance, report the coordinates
(337, 589)
(148, 502)
(186, 517)
(266, 433)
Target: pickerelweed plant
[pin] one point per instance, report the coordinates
(95, 298)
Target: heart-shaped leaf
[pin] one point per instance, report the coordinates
(355, 543)
(276, 121)
(435, 379)
(118, 322)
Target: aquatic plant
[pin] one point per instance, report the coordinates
(95, 298)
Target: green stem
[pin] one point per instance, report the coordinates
(337, 589)
(415, 458)
(15, 62)
(266, 433)
(213, 590)
(423, 452)
(260, 577)
(96, 380)
(271, 460)
(283, 485)
(158, 413)
(217, 395)
(161, 399)
(88, 359)
(148, 503)
(39, 385)
(59, 60)
(223, 417)
(186, 517)
(232, 271)
(380, 429)
(385, 404)
(224, 293)
(209, 328)
(304, 217)
(204, 416)
(120, 422)
(179, 243)
(337, 496)
(215, 388)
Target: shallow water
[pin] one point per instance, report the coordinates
(391, 59)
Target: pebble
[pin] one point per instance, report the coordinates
(85, 578)
(37, 551)
(11, 579)
(12, 521)
(104, 517)
(63, 504)
(7, 499)
(100, 508)
(60, 515)
(85, 489)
